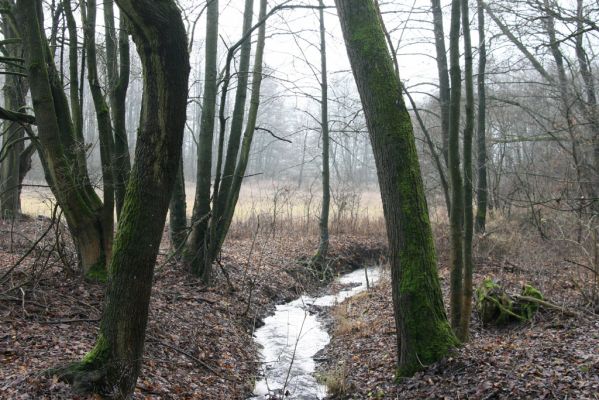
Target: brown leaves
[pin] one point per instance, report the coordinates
(56, 322)
(548, 358)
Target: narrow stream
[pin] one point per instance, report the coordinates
(292, 336)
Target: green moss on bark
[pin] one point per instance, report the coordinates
(99, 353)
(528, 308)
(90, 374)
(424, 334)
(98, 272)
(437, 347)
(496, 307)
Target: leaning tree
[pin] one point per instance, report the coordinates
(423, 331)
(112, 366)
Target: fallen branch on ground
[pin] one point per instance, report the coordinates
(547, 304)
(197, 360)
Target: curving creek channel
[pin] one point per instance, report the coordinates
(291, 337)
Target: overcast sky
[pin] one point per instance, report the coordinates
(286, 53)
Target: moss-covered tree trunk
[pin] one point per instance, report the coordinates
(112, 366)
(423, 332)
(195, 250)
(62, 148)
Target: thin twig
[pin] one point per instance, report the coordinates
(24, 256)
(581, 265)
(548, 304)
(69, 321)
(258, 128)
(197, 360)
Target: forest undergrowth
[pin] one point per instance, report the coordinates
(552, 356)
(199, 339)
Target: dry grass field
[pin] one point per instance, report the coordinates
(279, 205)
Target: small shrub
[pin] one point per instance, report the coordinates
(336, 381)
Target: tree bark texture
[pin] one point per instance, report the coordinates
(178, 212)
(424, 335)
(463, 331)
(216, 231)
(444, 88)
(456, 214)
(75, 88)
(248, 135)
(118, 70)
(112, 366)
(481, 131)
(104, 126)
(323, 246)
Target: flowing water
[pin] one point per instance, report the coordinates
(291, 338)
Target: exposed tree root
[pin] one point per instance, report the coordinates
(84, 377)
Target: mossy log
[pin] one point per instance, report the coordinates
(496, 307)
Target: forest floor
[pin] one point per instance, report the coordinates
(199, 339)
(553, 356)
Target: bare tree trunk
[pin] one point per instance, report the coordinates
(178, 212)
(444, 88)
(584, 177)
(195, 251)
(591, 108)
(118, 70)
(456, 215)
(61, 145)
(217, 227)
(320, 258)
(481, 161)
(464, 328)
(15, 157)
(433, 151)
(583, 180)
(75, 87)
(237, 119)
(424, 335)
(300, 178)
(228, 179)
(444, 95)
(248, 135)
(104, 125)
